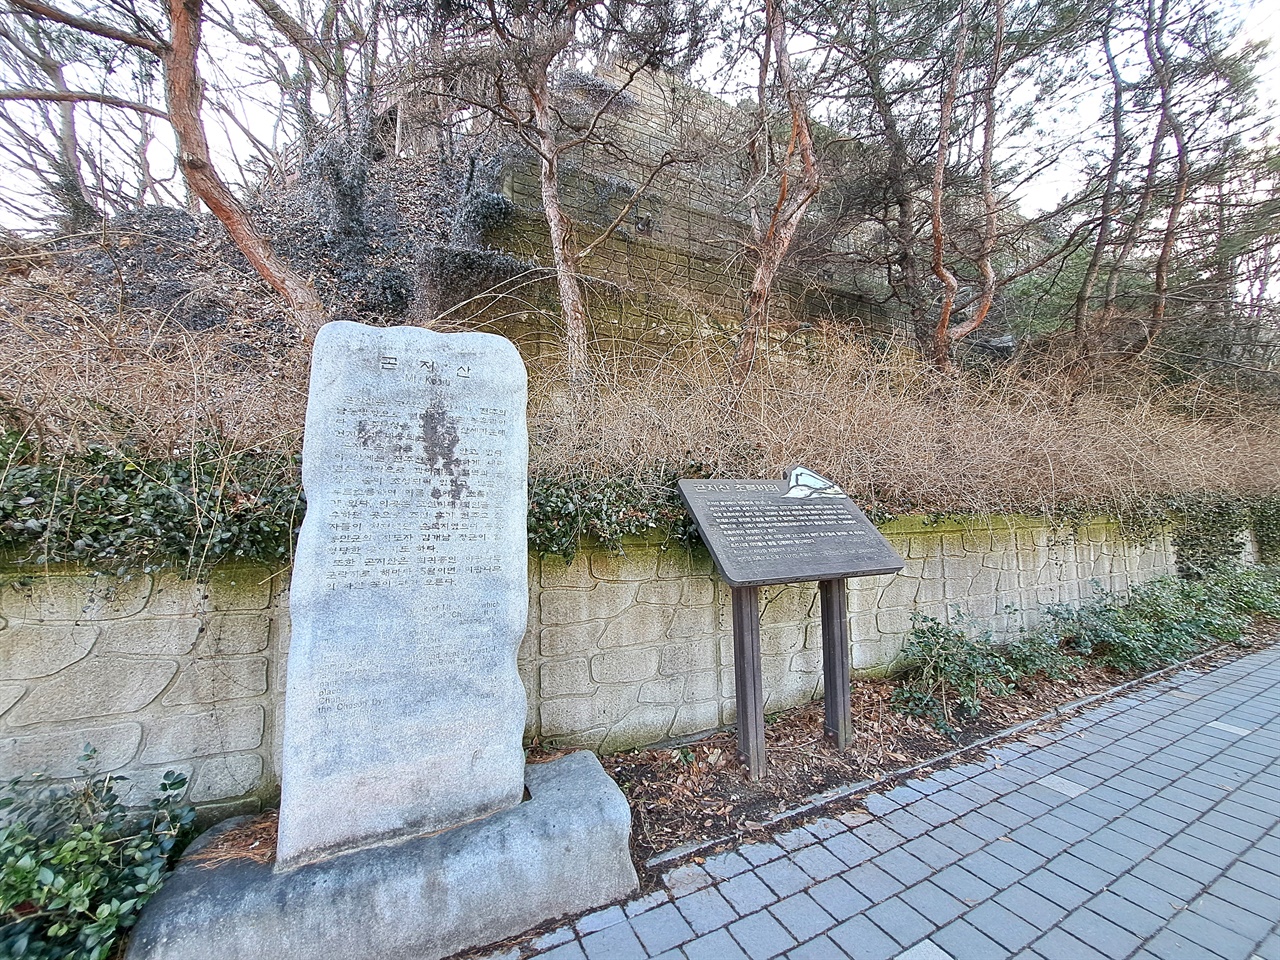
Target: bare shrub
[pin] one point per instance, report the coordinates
(75, 374)
(896, 432)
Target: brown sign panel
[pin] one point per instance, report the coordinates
(786, 531)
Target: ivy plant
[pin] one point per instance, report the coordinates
(76, 868)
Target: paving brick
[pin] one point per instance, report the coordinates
(904, 794)
(995, 872)
(934, 903)
(746, 893)
(976, 790)
(1187, 865)
(1103, 808)
(1269, 949)
(855, 818)
(950, 776)
(849, 849)
(1103, 857)
(818, 862)
(1079, 872)
(599, 920)
(964, 941)
(936, 854)
(1220, 848)
(903, 866)
(758, 853)
(1213, 937)
(927, 785)
(705, 910)
(714, 946)
(1239, 821)
(1148, 897)
(686, 879)
(662, 929)
(1027, 804)
(726, 865)
(1035, 908)
(783, 877)
(825, 827)
(646, 903)
(552, 938)
(802, 916)
(1127, 839)
(1016, 855)
(861, 938)
(1002, 925)
(879, 836)
(795, 839)
(1006, 815)
(838, 898)
(1178, 887)
(1235, 918)
(1056, 826)
(900, 921)
(906, 824)
(931, 813)
(820, 948)
(1100, 933)
(1057, 944)
(1125, 913)
(957, 803)
(1258, 902)
(878, 804)
(873, 883)
(569, 951)
(617, 942)
(1036, 839)
(963, 885)
(982, 826)
(958, 839)
(761, 936)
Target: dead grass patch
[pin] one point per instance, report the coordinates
(77, 373)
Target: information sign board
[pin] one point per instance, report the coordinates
(786, 531)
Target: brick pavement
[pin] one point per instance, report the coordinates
(1148, 827)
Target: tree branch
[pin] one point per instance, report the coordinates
(43, 11)
(82, 96)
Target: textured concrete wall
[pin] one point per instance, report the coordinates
(156, 672)
(622, 649)
(637, 648)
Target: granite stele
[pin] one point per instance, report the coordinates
(409, 824)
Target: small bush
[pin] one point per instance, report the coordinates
(75, 868)
(946, 672)
(1166, 620)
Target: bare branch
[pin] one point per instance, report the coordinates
(82, 96)
(43, 11)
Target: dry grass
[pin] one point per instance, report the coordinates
(894, 430)
(877, 420)
(73, 375)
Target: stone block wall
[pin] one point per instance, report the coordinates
(622, 649)
(638, 648)
(156, 672)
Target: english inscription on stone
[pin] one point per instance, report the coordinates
(404, 711)
(788, 531)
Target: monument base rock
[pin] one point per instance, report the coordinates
(562, 851)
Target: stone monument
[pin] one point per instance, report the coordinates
(409, 824)
(404, 711)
